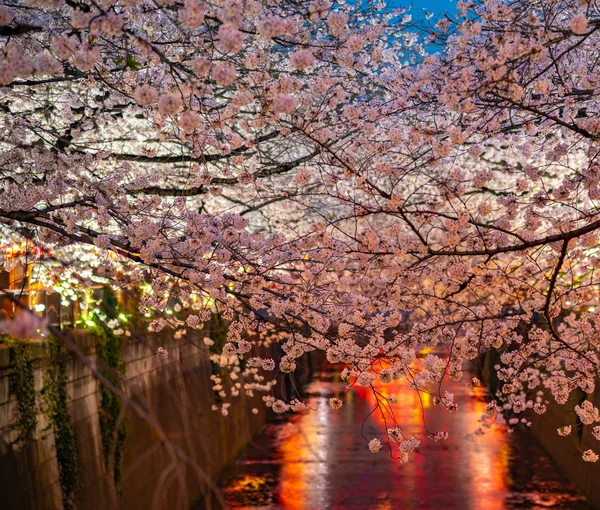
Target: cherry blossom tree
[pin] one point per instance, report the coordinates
(316, 174)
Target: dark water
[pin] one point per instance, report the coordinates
(319, 460)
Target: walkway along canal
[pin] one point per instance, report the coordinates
(319, 460)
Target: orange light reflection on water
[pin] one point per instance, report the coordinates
(478, 469)
(304, 452)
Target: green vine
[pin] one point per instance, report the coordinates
(110, 358)
(56, 398)
(22, 385)
(218, 334)
(579, 397)
(217, 329)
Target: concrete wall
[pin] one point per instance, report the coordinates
(177, 392)
(566, 451)
(28, 473)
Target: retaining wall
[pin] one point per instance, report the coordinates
(176, 391)
(566, 451)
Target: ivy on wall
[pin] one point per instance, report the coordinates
(56, 398)
(218, 334)
(578, 397)
(54, 405)
(109, 349)
(22, 385)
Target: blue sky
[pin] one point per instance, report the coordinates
(435, 6)
(432, 5)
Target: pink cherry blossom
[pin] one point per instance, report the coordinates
(284, 103)
(301, 59)
(145, 95)
(224, 73)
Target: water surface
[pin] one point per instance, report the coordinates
(319, 460)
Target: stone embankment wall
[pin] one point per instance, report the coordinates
(177, 392)
(566, 451)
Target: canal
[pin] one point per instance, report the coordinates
(318, 459)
